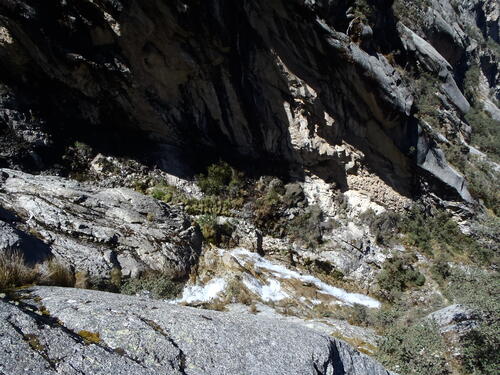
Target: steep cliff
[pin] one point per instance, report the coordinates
(283, 81)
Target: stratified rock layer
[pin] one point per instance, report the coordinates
(95, 229)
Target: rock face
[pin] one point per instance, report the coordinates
(88, 332)
(95, 229)
(289, 81)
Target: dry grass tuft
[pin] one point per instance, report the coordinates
(56, 273)
(82, 280)
(14, 272)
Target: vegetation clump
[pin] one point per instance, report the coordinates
(397, 275)
(89, 337)
(222, 186)
(282, 211)
(34, 342)
(159, 284)
(411, 12)
(412, 344)
(485, 132)
(437, 234)
(414, 350)
(220, 179)
(479, 290)
(385, 226)
(14, 272)
(214, 232)
(56, 273)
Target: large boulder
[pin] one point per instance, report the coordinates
(72, 331)
(94, 229)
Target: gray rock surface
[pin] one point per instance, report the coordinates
(457, 319)
(9, 238)
(13, 240)
(140, 336)
(96, 229)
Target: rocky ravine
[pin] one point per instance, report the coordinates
(359, 107)
(71, 331)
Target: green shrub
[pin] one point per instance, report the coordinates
(271, 217)
(158, 283)
(213, 232)
(360, 316)
(414, 350)
(440, 269)
(267, 211)
(306, 227)
(485, 132)
(220, 179)
(397, 275)
(480, 355)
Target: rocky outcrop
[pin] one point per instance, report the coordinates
(255, 80)
(457, 319)
(71, 331)
(94, 229)
(455, 323)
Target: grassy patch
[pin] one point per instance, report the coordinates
(55, 273)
